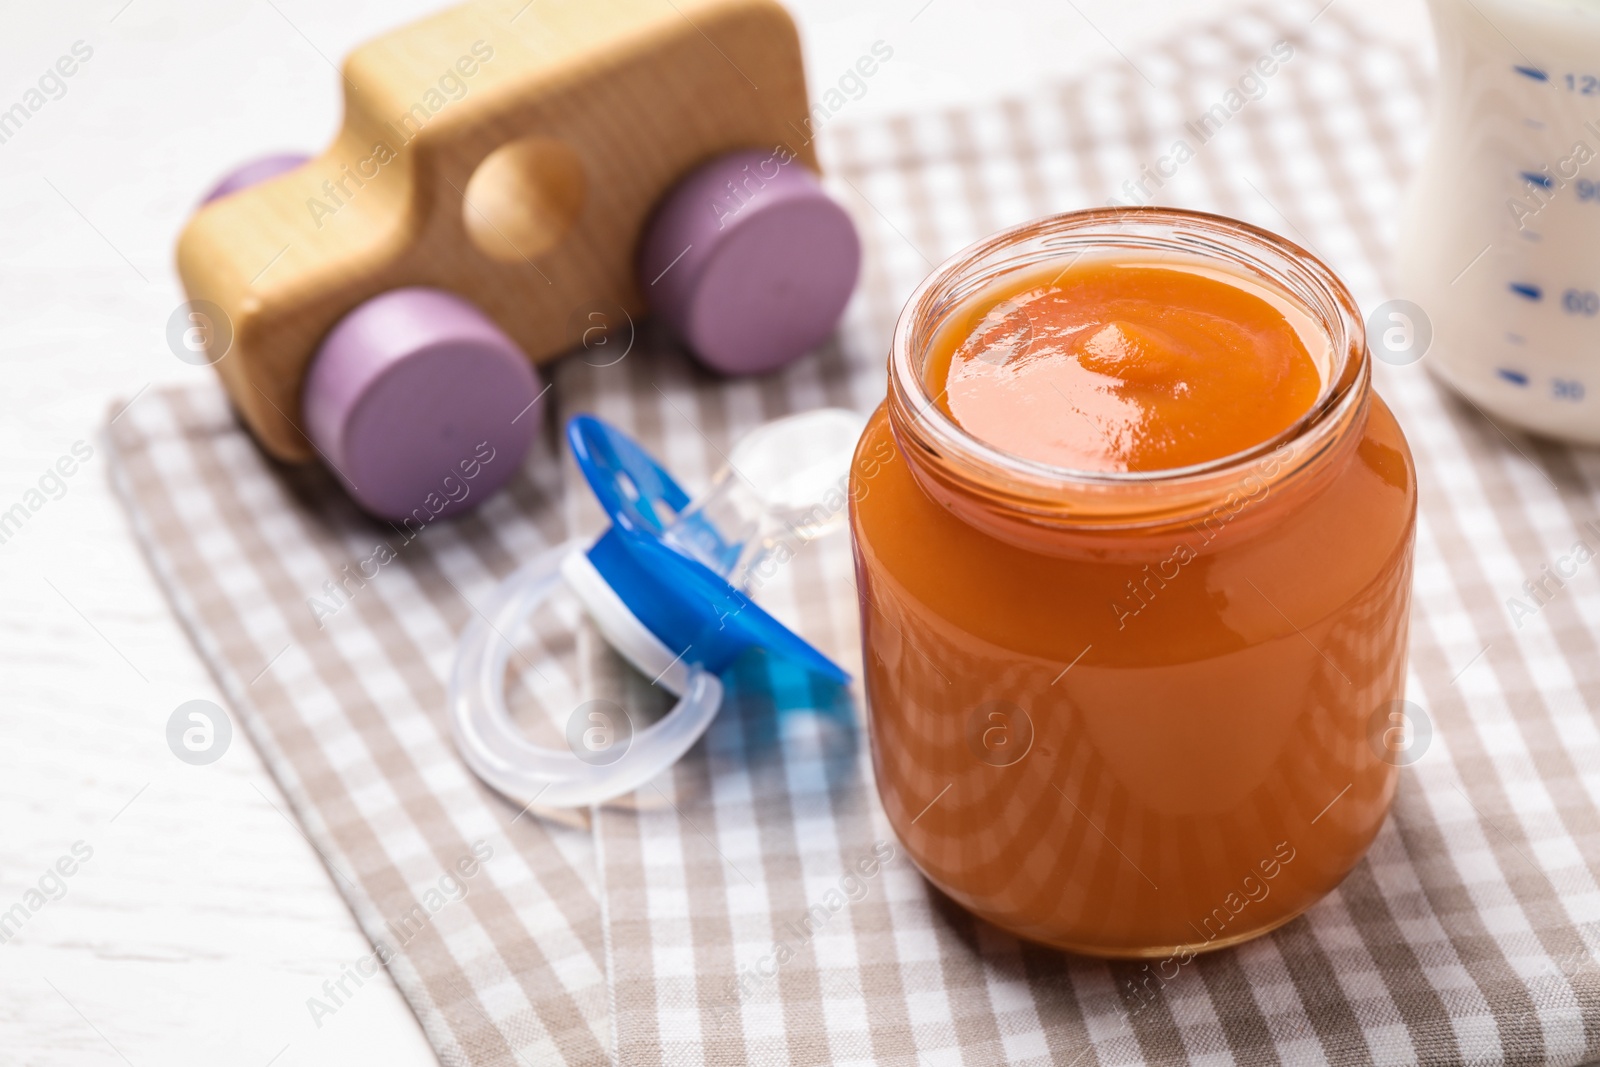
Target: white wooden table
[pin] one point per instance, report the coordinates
(203, 921)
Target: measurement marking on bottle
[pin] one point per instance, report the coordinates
(1515, 338)
(1532, 292)
(1584, 302)
(1529, 235)
(1515, 377)
(1533, 124)
(1532, 72)
(1533, 177)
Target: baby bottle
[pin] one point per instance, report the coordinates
(1500, 241)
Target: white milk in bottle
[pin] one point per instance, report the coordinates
(1500, 244)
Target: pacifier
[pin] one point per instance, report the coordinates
(667, 585)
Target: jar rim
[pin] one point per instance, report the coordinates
(1035, 486)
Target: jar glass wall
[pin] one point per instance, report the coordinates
(1135, 714)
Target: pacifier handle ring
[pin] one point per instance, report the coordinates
(503, 756)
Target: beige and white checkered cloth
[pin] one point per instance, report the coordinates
(645, 933)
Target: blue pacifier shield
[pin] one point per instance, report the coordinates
(689, 607)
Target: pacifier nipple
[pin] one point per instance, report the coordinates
(785, 481)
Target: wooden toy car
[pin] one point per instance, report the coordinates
(501, 166)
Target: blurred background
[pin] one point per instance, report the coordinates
(203, 919)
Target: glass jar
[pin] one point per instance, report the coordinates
(1136, 714)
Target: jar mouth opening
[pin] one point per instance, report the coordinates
(1150, 233)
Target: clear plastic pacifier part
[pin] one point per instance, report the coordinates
(667, 586)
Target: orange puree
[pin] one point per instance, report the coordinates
(1134, 714)
(1117, 366)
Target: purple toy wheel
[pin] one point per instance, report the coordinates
(253, 173)
(422, 406)
(749, 261)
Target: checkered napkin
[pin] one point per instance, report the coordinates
(753, 906)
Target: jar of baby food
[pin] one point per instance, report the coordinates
(1133, 542)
